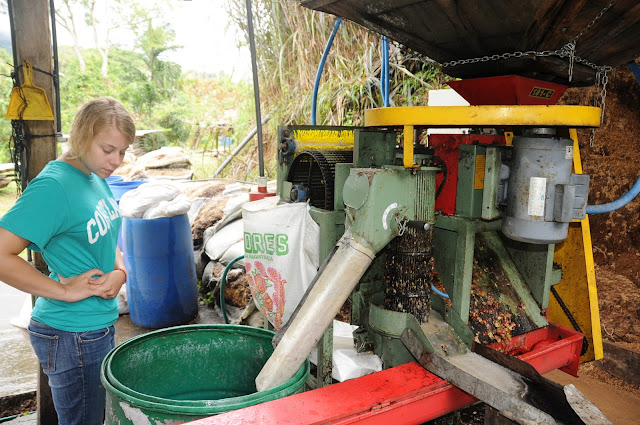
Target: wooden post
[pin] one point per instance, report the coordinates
(31, 26)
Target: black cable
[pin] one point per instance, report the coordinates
(42, 71)
(563, 306)
(19, 152)
(444, 176)
(14, 47)
(56, 70)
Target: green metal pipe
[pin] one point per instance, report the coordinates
(332, 288)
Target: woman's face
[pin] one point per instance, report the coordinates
(106, 152)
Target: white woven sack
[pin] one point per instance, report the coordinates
(281, 244)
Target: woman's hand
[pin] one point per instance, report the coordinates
(84, 286)
(110, 283)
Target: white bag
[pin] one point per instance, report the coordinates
(217, 244)
(281, 244)
(134, 203)
(347, 363)
(177, 206)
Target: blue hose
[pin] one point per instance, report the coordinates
(635, 189)
(314, 100)
(384, 73)
(223, 281)
(635, 69)
(618, 203)
(438, 292)
(9, 418)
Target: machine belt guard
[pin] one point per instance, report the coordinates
(508, 384)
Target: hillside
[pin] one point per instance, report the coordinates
(612, 163)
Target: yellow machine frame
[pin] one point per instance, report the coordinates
(574, 255)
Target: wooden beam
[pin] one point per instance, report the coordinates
(462, 24)
(30, 21)
(604, 35)
(547, 33)
(620, 362)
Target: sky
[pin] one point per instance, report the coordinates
(201, 28)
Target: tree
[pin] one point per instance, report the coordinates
(65, 17)
(101, 17)
(152, 41)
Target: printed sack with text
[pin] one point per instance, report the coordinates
(281, 255)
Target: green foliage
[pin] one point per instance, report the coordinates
(6, 86)
(290, 41)
(76, 87)
(160, 77)
(196, 111)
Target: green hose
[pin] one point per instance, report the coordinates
(9, 418)
(223, 281)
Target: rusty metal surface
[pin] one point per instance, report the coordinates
(445, 30)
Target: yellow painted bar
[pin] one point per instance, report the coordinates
(485, 115)
(578, 285)
(407, 147)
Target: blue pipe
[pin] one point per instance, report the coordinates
(618, 203)
(223, 282)
(438, 292)
(382, 70)
(635, 189)
(384, 74)
(635, 69)
(314, 101)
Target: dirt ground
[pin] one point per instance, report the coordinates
(612, 162)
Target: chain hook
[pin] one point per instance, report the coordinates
(402, 225)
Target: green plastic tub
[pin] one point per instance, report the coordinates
(184, 373)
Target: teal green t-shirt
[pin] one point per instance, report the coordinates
(74, 221)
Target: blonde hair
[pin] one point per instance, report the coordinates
(94, 116)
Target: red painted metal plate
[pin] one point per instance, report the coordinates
(406, 394)
(549, 348)
(508, 90)
(447, 148)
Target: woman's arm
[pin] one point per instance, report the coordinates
(112, 282)
(119, 260)
(18, 273)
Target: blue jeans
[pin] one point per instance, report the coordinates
(72, 361)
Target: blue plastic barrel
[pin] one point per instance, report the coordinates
(161, 273)
(119, 188)
(114, 178)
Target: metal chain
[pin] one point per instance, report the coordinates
(568, 50)
(599, 99)
(603, 95)
(565, 51)
(602, 12)
(572, 44)
(592, 135)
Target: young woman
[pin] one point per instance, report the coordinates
(68, 213)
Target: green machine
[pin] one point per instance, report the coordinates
(436, 242)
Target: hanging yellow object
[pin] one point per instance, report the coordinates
(29, 102)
